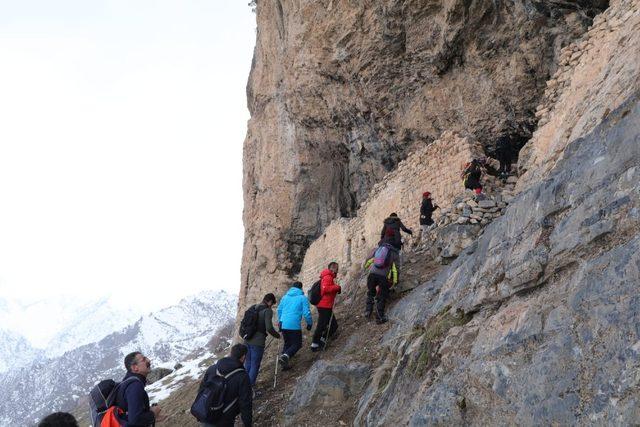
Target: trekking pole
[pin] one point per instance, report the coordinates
(275, 376)
(328, 329)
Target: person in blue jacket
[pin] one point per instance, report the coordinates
(293, 307)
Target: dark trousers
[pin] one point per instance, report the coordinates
(378, 296)
(324, 317)
(252, 361)
(505, 165)
(292, 341)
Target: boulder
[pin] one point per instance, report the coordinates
(157, 374)
(326, 386)
(487, 203)
(450, 241)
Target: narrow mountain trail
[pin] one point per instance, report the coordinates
(359, 341)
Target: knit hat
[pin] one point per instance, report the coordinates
(297, 285)
(426, 194)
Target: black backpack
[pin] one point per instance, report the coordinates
(209, 404)
(249, 323)
(315, 293)
(102, 396)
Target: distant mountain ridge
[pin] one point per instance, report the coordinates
(61, 326)
(167, 336)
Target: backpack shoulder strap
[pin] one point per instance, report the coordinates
(234, 401)
(114, 393)
(235, 371)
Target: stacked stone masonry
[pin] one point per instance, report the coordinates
(469, 209)
(435, 168)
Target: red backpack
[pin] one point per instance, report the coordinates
(112, 418)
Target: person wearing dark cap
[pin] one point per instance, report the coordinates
(257, 342)
(293, 307)
(426, 213)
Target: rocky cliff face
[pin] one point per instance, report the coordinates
(341, 91)
(545, 302)
(535, 319)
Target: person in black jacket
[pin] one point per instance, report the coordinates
(504, 154)
(390, 233)
(132, 398)
(471, 176)
(238, 393)
(426, 213)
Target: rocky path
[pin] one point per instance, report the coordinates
(359, 343)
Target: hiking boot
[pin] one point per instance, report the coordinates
(382, 320)
(284, 361)
(315, 347)
(367, 314)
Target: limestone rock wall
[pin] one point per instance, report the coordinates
(595, 75)
(341, 91)
(536, 322)
(435, 168)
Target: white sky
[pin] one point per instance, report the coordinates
(121, 129)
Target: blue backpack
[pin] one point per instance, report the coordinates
(381, 256)
(208, 407)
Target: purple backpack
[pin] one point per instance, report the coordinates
(381, 256)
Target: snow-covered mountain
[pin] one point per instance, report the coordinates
(90, 323)
(49, 327)
(15, 350)
(58, 383)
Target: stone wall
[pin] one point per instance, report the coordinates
(435, 168)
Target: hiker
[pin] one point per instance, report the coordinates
(471, 176)
(426, 213)
(293, 307)
(237, 397)
(132, 398)
(59, 419)
(391, 231)
(327, 324)
(504, 156)
(256, 343)
(383, 275)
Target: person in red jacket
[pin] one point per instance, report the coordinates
(328, 291)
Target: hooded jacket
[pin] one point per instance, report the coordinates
(238, 389)
(328, 289)
(134, 400)
(391, 232)
(293, 306)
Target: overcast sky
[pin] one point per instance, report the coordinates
(121, 130)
